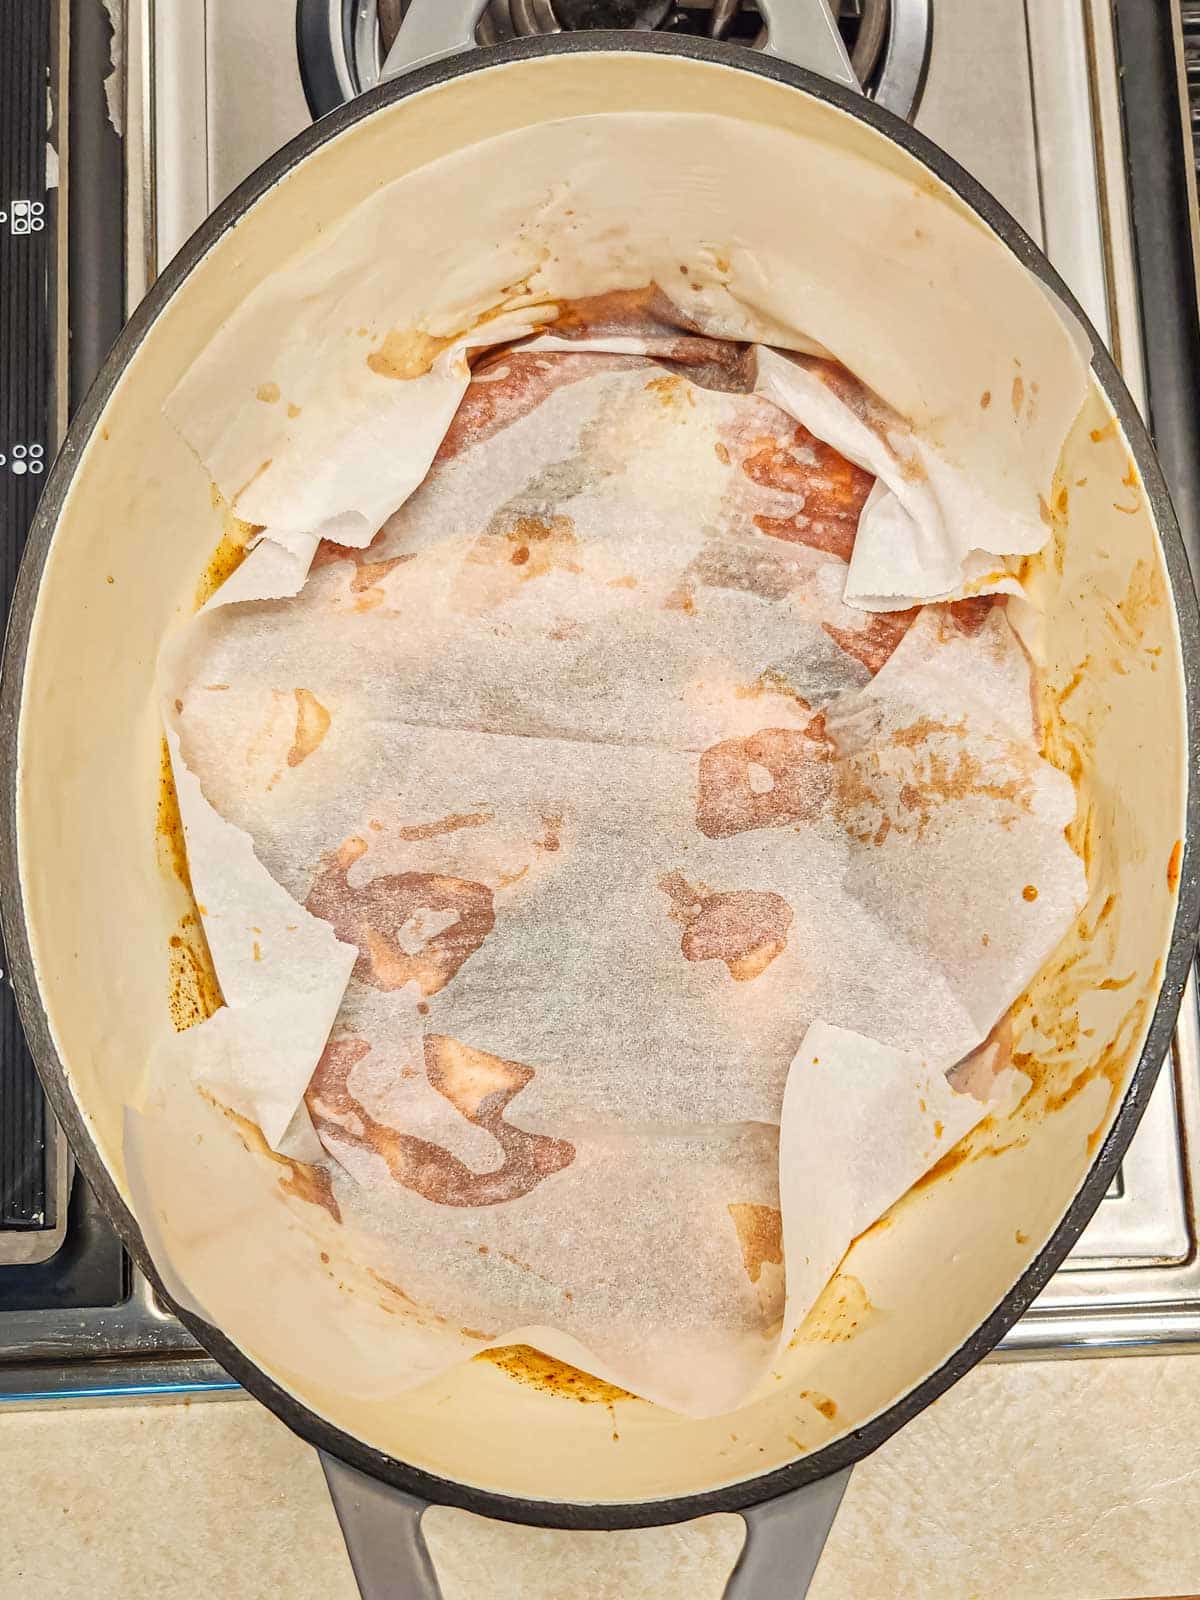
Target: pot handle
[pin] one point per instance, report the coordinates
(382, 1530)
(803, 32)
(784, 1540)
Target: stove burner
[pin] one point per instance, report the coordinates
(864, 21)
(639, 14)
(342, 43)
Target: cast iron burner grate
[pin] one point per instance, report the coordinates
(342, 43)
(864, 23)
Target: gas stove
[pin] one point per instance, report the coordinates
(1073, 112)
(342, 44)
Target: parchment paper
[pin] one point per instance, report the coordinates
(761, 234)
(596, 832)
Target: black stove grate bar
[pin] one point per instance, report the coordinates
(1157, 161)
(27, 227)
(1190, 15)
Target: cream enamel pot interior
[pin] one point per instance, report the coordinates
(125, 528)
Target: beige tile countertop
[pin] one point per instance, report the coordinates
(1074, 1480)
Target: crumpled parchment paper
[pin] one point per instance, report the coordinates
(605, 847)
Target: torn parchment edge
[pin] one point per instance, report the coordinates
(114, 83)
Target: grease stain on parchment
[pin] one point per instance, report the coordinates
(760, 1237)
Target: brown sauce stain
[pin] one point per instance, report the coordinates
(1018, 395)
(744, 928)
(1062, 1069)
(985, 399)
(1058, 1055)
(526, 1365)
(1144, 596)
(772, 681)
(252, 479)
(523, 1266)
(169, 838)
(841, 1310)
(268, 393)
(509, 384)
(875, 795)
(193, 992)
(822, 1403)
(668, 335)
(950, 1162)
(969, 617)
(226, 558)
(368, 580)
(408, 353)
(798, 763)
(1111, 1065)
(372, 915)
(1174, 863)
(873, 645)
(312, 724)
(924, 729)
(880, 1225)
(479, 1086)
(550, 837)
(672, 391)
(369, 568)
(1077, 678)
(517, 548)
(760, 1237)
(452, 823)
(645, 310)
(311, 1184)
(682, 598)
(831, 491)
(392, 1288)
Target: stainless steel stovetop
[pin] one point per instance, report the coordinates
(1028, 97)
